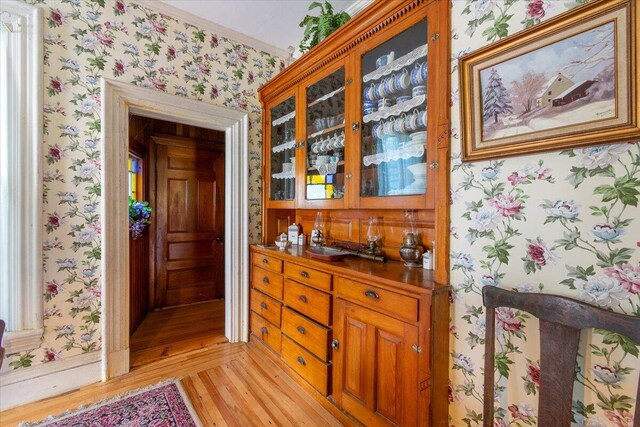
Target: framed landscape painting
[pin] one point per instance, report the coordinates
(570, 81)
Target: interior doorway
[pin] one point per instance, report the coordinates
(119, 100)
(178, 261)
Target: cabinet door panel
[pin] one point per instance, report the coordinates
(355, 364)
(389, 384)
(376, 368)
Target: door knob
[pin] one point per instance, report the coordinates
(219, 239)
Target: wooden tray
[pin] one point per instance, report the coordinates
(327, 254)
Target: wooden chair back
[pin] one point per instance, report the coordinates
(561, 320)
(2, 325)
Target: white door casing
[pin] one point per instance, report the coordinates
(120, 99)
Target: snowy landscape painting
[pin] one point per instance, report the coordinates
(568, 82)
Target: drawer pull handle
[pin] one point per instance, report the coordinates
(301, 330)
(303, 298)
(265, 261)
(335, 344)
(263, 305)
(304, 274)
(301, 361)
(264, 330)
(371, 294)
(265, 279)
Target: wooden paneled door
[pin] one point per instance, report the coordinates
(190, 221)
(375, 375)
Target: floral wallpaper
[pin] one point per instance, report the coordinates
(84, 41)
(562, 223)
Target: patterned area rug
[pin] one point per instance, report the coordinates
(161, 405)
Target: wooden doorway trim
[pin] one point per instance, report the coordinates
(120, 99)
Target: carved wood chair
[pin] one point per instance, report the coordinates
(1, 348)
(561, 320)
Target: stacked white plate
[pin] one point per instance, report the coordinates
(417, 138)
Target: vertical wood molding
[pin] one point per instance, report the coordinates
(21, 227)
(118, 101)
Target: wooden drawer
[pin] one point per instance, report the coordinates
(398, 305)
(307, 333)
(266, 332)
(308, 301)
(312, 369)
(267, 262)
(266, 281)
(317, 279)
(266, 307)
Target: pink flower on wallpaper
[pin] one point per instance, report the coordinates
(157, 83)
(627, 275)
(203, 68)
(171, 53)
(103, 38)
(55, 152)
(119, 68)
(620, 419)
(533, 373)
(55, 86)
(56, 18)
(53, 288)
(54, 220)
(507, 320)
(535, 9)
(538, 253)
(120, 7)
(506, 204)
(522, 412)
(96, 226)
(543, 173)
(158, 26)
(50, 355)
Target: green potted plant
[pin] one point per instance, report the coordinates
(319, 27)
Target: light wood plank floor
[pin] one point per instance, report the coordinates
(228, 384)
(177, 330)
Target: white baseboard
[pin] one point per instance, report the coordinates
(28, 385)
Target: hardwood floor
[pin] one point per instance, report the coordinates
(228, 384)
(177, 330)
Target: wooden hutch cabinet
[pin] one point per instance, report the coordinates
(359, 128)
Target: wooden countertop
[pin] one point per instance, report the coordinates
(390, 273)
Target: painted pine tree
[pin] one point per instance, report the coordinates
(496, 98)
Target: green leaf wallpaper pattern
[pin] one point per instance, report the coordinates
(560, 222)
(84, 41)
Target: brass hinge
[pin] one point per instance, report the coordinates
(416, 348)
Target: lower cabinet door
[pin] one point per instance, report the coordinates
(375, 376)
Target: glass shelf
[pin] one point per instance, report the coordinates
(324, 172)
(283, 147)
(394, 115)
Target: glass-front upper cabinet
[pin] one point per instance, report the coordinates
(325, 153)
(393, 151)
(282, 140)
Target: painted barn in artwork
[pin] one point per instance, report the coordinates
(552, 89)
(575, 92)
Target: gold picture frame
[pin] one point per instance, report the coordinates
(570, 81)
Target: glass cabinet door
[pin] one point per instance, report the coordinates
(283, 148)
(394, 116)
(324, 176)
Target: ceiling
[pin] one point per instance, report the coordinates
(274, 22)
